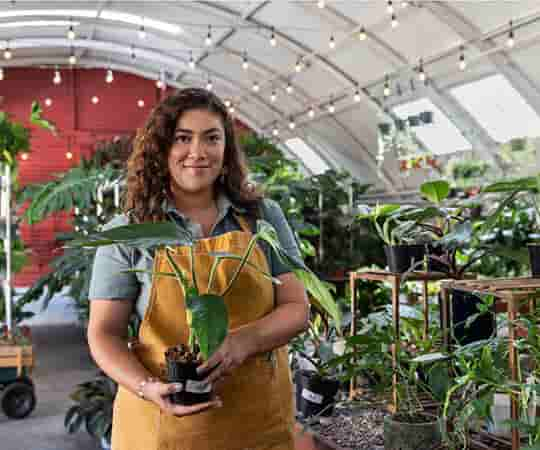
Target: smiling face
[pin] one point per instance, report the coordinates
(196, 157)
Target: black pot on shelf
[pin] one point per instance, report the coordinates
(314, 394)
(195, 391)
(534, 259)
(464, 305)
(400, 258)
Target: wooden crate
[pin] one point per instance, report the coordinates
(17, 356)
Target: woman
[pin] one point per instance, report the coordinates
(186, 167)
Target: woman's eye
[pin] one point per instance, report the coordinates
(184, 139)
(215, 138)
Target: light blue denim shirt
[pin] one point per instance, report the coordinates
(108, 281)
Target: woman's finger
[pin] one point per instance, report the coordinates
(181, 410)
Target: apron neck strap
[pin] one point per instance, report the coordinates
(244, 224)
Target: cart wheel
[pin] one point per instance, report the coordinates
(18, 400)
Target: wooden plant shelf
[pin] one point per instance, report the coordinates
(17, 356)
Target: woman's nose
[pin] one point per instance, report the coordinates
(197, 148)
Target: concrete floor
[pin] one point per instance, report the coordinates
(62, 361)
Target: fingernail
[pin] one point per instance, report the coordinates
(178, 387)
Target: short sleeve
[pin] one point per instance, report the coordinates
(109, 281)
(273, 214)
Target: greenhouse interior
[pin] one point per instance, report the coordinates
(319, 220)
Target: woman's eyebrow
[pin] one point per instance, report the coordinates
(210, 130)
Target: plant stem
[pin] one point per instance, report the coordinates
(246, 256)
(193, 274)
(213, 270)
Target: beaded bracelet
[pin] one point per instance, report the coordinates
(142, 384)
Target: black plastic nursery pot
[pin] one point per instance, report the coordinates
(464, 304)
(314, 395)
(400, 435)
(195, 390)
(534, 259)
(400, 258)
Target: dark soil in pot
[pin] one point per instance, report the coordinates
(182, 368)
(314, 394)
(411, 432)
(400, 258)
(534, 259)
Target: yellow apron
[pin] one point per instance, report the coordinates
(257, 412)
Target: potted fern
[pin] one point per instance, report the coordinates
(206, 312)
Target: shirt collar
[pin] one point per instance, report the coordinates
(223, 203)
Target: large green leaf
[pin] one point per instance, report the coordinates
(459, 238)
(210, 321)
(435, 191)
(518, 184)
(36, 119)
(141, 235)
(420, 214)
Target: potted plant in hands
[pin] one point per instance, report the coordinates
(206, 312)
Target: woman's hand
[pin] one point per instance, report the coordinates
(236, 348)
(159, 392)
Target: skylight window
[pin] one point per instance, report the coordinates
(505, 116)
(307, 155)
(39, 23)
(50, 12)
(138, 20)
(439, 137)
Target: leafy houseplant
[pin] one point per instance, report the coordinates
(206, 312)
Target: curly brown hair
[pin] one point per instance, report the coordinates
(148, 177)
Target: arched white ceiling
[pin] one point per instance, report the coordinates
(436, 32)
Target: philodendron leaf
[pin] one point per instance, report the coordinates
(435, 191)
(141, 235)
(210, 321)
(519, 184)
(460, 237)
(36, 119)
(431, 358)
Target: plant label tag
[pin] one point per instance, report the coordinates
(198, 387)
(311, 396)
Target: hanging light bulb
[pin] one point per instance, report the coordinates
(57, 79)
(462, 62)
(289, 88)
(191, 60)
(321, 4)
(386, 90)
(357, 96)
(421, 73)
(394, 22)
(231, 109)
(245, 62)
(7, 52)
(275, 131)
(140, 103)
(72, 58)
(227, 103)
(362, 35)
(71, 33)
(256, 87)
(69, 155)
(311, 112)
(292, 124)
(390, 7)
(109, 78)
(273, 96)
(332, 42)
(299, 65)
(510, 42)
(159, 84)
(142, 32)
(404, 4)
(209, 85)
(48, 102)
(273, 41)
(95, 100)
(1, 73)
(24, 156)
(331, 107)
(208, 40)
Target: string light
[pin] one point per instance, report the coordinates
(231, 109)
(71, 33)
(357, 96)
(142, 32)
(159, 84)
(209, 85)
(48, 102)
(273, 96)
(273, 41)
(140, 103)
(362, 35)
(57, 79)
(227, 103)
(404, 4)
(421, 73)
(321, 4)
(390, 7)
(255, 87)
(95, 100)
(7, 52)
(395, 22)
(191, 60)
(109, 78)
(510, 42)
(24, 156)
(289, 88)
(72, 58)
(208, 40)
(69, 155)
(386, 90)
(311, 112)
(462, 62)
(1, 73)
(275, 131)
(299, 65)
(292, 124)
(331, 107)
(245, 63)
(332, 42)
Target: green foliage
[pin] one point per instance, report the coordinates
(435, 191)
